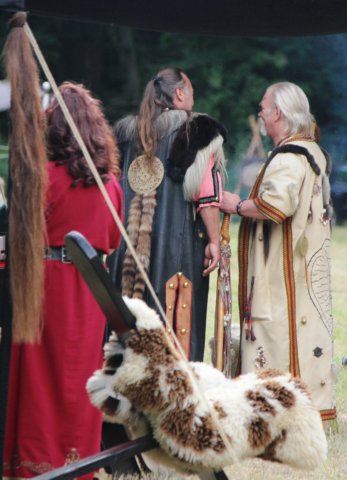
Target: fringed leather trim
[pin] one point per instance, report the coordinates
(190, 139)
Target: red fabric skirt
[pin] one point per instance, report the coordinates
(50, 420)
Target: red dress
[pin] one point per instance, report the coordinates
(50, 419)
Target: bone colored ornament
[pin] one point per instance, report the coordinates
(144, 175)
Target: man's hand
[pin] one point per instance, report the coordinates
(210, 217)
(229, 202)
(212, 256)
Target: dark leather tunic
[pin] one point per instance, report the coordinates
(178, 239)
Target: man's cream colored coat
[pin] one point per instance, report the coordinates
(291, 304)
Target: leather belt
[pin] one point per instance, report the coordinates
(61, 253)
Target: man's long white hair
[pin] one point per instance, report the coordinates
(293, 103)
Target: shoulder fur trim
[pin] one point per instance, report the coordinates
(195, 173)
(166, 123)
(125, 128)
(297, 150)
(190, 139)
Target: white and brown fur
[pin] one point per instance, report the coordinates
(268, 414)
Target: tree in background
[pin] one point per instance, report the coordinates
(229, 75)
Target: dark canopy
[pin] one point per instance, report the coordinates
(203, 17)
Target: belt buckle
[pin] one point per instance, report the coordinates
(65, 256)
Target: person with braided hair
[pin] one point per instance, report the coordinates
(172, 159)
(284, 251)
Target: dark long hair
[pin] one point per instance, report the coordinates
(158, 96)
(94, 129)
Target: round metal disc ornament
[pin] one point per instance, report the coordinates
(145, 176)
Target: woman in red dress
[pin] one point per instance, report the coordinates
(51, 421)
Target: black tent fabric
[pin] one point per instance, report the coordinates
(242, 18)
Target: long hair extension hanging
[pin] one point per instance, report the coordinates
(28, 183)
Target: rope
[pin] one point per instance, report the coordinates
(119, 224)
(89, 160)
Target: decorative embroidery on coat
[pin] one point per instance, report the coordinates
(318, 270)
(260, 360)
(72, 456)
(318, 352)
(316, 189)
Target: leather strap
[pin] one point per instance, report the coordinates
(178, 295)
(61, 253)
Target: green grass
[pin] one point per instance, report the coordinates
(336, 465)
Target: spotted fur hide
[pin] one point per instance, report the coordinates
(268, 414)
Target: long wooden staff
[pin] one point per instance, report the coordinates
(222, 330)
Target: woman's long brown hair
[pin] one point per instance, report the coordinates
(94, 129)
(28, 182)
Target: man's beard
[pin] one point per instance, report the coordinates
(262, 128)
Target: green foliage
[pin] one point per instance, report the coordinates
(229, 75)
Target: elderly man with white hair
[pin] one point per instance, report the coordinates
(284, 251)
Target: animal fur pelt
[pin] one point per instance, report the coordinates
(268, 414)
(296, 150)
(194, 133)
(140, 221)
(200, 131)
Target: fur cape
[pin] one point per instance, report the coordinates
(196, 138)
(196, 135)
(145, 385)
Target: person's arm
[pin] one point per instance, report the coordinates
(247, 208)
(207, 201)
(210, 217)
(231, 202)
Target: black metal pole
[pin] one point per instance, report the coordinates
(107, 457)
